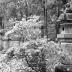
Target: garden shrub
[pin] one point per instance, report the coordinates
(35, 56)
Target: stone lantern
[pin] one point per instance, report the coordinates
(65, 29)
(64, 35)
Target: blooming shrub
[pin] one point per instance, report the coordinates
(33, 56)
(28, 29)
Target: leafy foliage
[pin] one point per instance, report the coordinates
(35, 56)
(26, 29)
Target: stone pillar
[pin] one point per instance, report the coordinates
(6, 43)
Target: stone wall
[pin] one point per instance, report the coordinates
(7, 44)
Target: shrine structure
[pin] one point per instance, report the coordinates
(64, 29)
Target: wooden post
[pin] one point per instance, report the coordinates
(26, 9)
(1, 42)
(44, 19)
(46, 26)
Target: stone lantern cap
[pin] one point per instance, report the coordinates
(65, 16)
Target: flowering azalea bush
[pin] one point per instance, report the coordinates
(33, 56)
(43, 56)
(28, 29)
